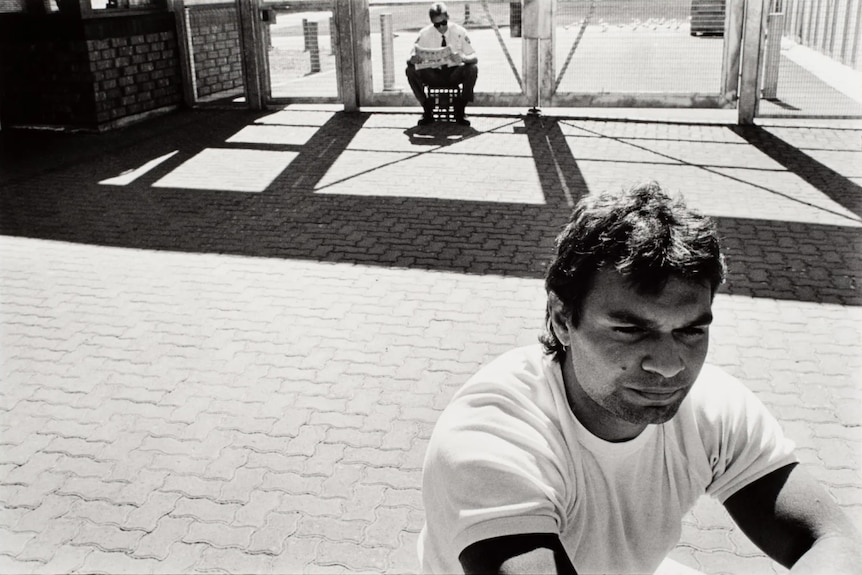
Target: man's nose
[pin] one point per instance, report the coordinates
(663, 358)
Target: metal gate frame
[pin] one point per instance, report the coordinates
(741, 62)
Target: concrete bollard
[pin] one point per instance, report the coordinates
(388, 50)
(515, 19)
(309, 32)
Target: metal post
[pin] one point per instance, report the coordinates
(833, 18)
(854, 52)
(733, 38)
(346, 54)
(750, 63)
(186, 51)
(538, 46)
(388, 51)
(775, 24)
(253, 67)
(818, 37)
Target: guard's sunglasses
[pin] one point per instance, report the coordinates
(440, 23)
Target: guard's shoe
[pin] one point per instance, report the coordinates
(427, 113)
(460, 105)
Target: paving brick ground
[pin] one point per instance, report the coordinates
(232, 362)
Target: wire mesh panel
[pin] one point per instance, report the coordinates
(811, 59)
(493, 28)
(301, 50)
(639, 46)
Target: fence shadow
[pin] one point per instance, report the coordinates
(59, 197)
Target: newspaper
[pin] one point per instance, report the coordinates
(433, 57)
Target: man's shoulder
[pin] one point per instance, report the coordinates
(510, 403)
(519, 363)
(519, 374)
(516, 387)
(426, 30)
(714, 381)
(717, 396)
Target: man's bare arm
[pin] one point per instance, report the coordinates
(792, 518)
(526, 553)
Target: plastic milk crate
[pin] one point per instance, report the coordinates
(443, 100)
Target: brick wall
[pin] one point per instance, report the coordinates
(12, 5)
(134, 74)
(62, 71)
(215, 48)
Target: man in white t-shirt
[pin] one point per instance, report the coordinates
(459, 67)
(583, 454)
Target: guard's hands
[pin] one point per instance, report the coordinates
(456, 58)
(414, 59)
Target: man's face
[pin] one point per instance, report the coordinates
(633, 358)
(441, 22)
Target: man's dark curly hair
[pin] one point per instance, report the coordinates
(642, 233)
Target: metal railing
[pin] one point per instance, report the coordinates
(831, 27)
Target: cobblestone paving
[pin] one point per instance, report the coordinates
(213, 368)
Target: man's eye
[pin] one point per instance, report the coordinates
(692, 332)
(628, 329)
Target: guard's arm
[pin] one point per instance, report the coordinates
(525, 553)
(469, 59)
(792, 518)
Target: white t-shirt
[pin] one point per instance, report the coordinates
(507, 456)
(456, 39)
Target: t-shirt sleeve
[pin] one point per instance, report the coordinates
(467, 46)
(742, 439)
(490, 472)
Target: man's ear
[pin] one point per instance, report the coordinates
(559, 319)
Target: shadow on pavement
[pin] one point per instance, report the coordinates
(823, 178)
(52, 191)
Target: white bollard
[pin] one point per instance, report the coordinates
(388, 49)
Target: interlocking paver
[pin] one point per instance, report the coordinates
(171, 354)
(388, 524)
(205, 510)
(158, 543)
(66, 559)
(259, 506)
(99, 561)
(326, 457)
(298, 553)
(271, 537)
(233, 561)
(241, 485)
(291, 483)
(97, 511)
(13, 542)
(57, 533)
(107, 537)
(218, 535)
(351, 555)
(192, 486)
(331, 528)
(147, 516)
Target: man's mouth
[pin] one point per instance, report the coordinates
(658, 395)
